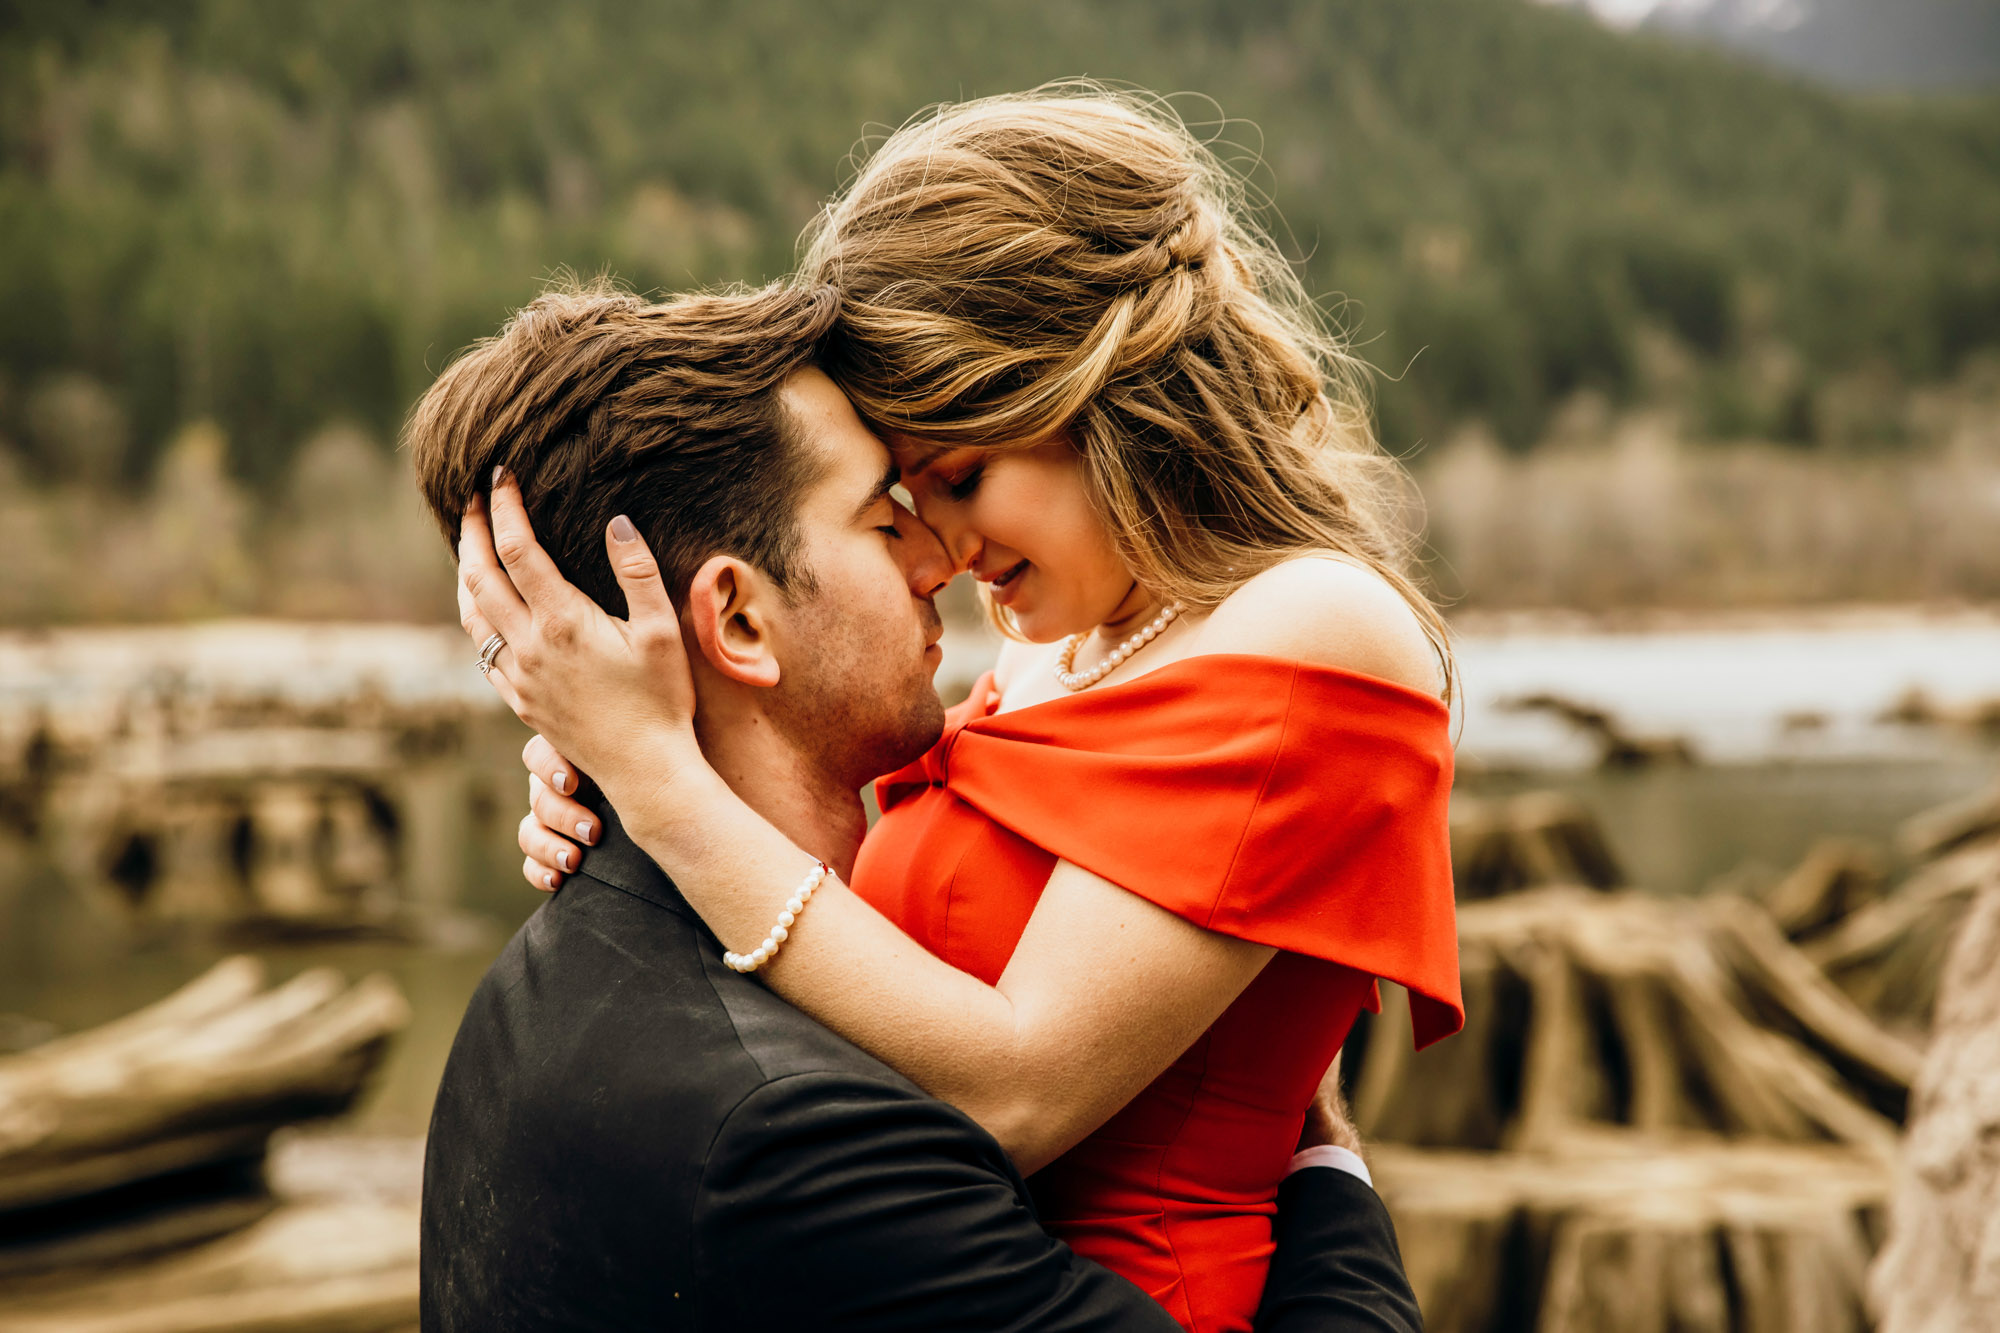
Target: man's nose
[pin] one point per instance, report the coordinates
(925, 560)
(960, 543)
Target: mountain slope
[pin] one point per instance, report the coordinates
(1867, 44)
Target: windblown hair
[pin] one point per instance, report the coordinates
(1073, 263)
(601, 403)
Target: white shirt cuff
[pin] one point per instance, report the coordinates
(1339, 1158)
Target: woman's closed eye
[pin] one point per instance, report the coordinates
(965, 483)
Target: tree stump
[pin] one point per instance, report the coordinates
(1940, 1271)
(1628, 1010)
(1634, 1233)
(1527, 841)
(1690, 1126)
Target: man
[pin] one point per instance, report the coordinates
(628, 1133)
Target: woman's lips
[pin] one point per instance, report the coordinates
(1002, 581)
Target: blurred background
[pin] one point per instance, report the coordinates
(1687, 319)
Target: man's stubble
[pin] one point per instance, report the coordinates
(859, 701)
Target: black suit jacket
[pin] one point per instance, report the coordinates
(630, 1135)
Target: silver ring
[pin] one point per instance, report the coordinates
(489, 652)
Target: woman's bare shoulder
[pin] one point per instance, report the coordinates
(1331, 611)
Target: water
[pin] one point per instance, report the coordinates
(1756, 691)
(1789, 717)
(1681, 830)
(1775, 790)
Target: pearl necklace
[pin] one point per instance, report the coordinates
(1073, 680)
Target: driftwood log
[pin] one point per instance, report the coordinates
(203, 1077)
(1916, 708)
(1888, 956)
(1885, 947)
(1887, 953)
(1611, 1231)
(1616, 746)
(133, 1180)
(335, 1251)
(1949, 827)
(1837, 878)
(1621, 1009)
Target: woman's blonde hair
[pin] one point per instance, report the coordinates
(1073, 262)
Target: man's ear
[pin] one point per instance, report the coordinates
(729, 610)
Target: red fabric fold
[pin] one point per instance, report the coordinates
(1298, 806)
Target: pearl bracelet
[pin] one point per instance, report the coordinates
(763, 953)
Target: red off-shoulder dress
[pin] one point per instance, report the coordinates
(1297, 806)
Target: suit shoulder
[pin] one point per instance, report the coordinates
(891, 1211)
(815, 1129)
(784, 1043)
(837, 1093)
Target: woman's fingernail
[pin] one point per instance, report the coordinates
(560, 781)
(499, 471)
(622, 529)
(583, 827)
(562, 858)
(549, 880)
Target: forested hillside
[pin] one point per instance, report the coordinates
(276, 216)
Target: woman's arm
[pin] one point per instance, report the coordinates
(1104, 990)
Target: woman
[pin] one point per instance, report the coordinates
(1162, 853)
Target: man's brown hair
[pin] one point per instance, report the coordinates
(601, 403)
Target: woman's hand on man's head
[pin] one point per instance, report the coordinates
(614, 695)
